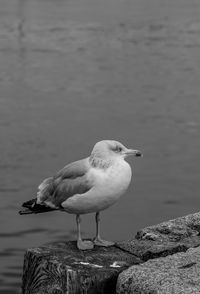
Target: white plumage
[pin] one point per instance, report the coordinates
(88, 185)
(108, 186)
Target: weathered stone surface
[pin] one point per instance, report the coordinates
(148, 249)
(166, 238)
(177, 274)
(175, 230)
(61, 268)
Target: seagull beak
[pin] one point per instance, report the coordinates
(133, 152)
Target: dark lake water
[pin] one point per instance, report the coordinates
(73, 72)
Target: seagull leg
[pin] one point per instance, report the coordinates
(98, 241)
(82, 245)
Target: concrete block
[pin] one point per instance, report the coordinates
(165, 238)
(174, 274)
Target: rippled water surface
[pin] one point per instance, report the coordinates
(74, 72)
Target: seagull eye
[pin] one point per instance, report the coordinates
(118, 149)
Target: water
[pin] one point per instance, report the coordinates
(73, 72)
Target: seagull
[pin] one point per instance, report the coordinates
(89, 185)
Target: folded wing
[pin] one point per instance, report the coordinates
(69, 181)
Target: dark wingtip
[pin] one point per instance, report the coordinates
(25, 211)
(29, 204)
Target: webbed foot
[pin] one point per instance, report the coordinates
(85, 245)
(103, 243)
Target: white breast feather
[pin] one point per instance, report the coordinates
(108, 186)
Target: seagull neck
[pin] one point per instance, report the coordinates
(98, 162)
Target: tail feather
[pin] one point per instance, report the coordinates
(45, 189)
(31, 206)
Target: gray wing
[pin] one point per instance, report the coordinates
(67, 182)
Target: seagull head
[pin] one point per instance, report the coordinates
(112, 150)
